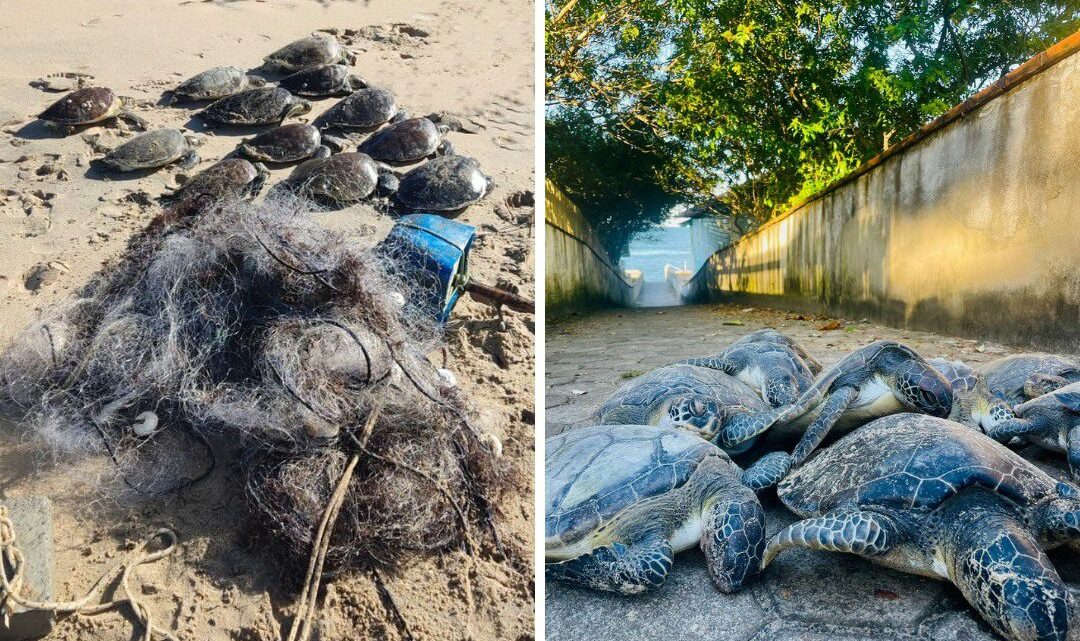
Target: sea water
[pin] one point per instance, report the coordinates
(649, 251)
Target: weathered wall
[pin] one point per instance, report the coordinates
(973, 229)
(578, 272)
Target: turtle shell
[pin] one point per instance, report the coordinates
(151, 149)
(229, 178)
(643, 398)
(362, 109)
(592, 474)
(306, 52)
(959, 374)
(213, 84)
(1067, 398)
(82, 107)
(443, 184)
(1006, 376)
(402, 142)
(341, 178)
(286, 143)
(321, 80)
(770, 336)
(261, 106)
(910, 461)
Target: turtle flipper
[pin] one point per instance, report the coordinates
(1072, 451)
(1038, 384)
(733, 539)
(618, 568)
(718, 362)
(841, 530)
(742, 427)
(835, 406)
(767, 471)
(1005, 431)
(1005, 575)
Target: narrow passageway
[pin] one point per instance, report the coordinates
(655, 294)
(589, 356)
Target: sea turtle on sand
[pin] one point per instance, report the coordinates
(263, 106)
(153, 149)
(230, 178)
(1051, 421)
(407, 141)
(341, 178)
(323, 80)
(87, 106)
(363, 109)
(621, 501)
(767, 361)
(214, 84)
(877, 380)
(931, 497)
(316, 49)
(447, 183)
(974, 404)
(289, 143)
(1022, 377)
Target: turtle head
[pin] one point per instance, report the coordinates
(261, 175)
(922, 388)
(354, 83)
(780, 390)
(1058, 518)
(297, 107)
(695, 413)
(978, 407)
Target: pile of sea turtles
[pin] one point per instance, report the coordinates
(925, 477)
(316, 67)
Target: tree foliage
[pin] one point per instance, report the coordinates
(763, 102)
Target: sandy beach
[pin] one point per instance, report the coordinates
(62, 219)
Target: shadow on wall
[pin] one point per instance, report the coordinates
(975, 230)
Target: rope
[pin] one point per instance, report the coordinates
(11, 557)
(308, 602)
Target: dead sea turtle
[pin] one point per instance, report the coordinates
(767, 361)
(88, 106)
(362, 109)
(230, 178)
(705, 402)
(1022, 377)
(289, 143)
(264, 106)
(1051, 421)
(974, 404)
(407, 141)
(153, 149)
(214, 84)
(621, 501)
(323, 80)
(877, 380)
(931, 497)
(342, 178)
(317, 49)
(447, 183)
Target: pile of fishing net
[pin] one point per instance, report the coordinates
(250, 328)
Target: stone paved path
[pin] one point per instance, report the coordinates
(804, 595)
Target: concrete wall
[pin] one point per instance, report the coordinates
(578, 272)
(973, 228)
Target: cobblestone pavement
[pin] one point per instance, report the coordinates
(803, 595)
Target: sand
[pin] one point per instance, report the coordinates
(61, 220)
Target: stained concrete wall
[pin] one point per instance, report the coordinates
(973, 229)
(578, 273)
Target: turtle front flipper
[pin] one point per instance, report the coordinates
(631, 569)
(1072, 451)
(1005, 431)
(739, 428)
(767, 471)
(733, 539)
(1004, 574)
(834, 407)
(861, 532)
(718, 362)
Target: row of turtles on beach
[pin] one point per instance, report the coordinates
(318, 66)
(925, 478)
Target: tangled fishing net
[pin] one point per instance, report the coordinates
(250, 325)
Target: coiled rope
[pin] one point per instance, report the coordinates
(12, 559)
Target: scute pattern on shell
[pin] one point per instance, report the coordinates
(286, 143)
(652, 388)
(404, 141)
(593, 473)
(254, 106)
(321, 80)
(910, 461)
(80, 107)
(1006, 376)
(213, 83)
(362, 109)
(306, 52)
(150, 149)
(443, 184)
